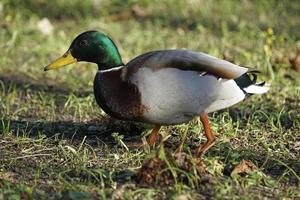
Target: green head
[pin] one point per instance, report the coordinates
(90, 46)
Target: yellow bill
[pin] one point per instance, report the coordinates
(66, 59)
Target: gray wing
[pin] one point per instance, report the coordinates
(186, 60)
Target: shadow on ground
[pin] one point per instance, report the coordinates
(22, 84)
(74, 130)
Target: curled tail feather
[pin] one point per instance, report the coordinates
(249, 85)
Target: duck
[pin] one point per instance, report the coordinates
(162, 87)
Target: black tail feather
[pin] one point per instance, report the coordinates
(247, 79)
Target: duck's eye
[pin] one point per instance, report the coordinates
(83, 43)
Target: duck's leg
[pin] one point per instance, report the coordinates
(208, 134)
(153, 137)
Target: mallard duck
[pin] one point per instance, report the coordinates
(163, 87)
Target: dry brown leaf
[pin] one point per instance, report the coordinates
(150, 171)
(294, 59)
(155, 171)
(121, 16)
(138, 11)
(279, 58)
(9, 176)
(245, 166)
(228, 56)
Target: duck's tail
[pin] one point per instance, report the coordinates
(247, 83)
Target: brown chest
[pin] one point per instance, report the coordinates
(119, 99)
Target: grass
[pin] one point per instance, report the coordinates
(55, 142)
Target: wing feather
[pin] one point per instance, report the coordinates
(186, 60)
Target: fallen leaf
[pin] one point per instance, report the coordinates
(279, 58)
(9, 176)
(156, 171)
(119, 192)
(297, 146)
(184, 197)
(245, 166)
(138, 11)
(294, 59)
(121, 16)
(45, 26)
(150, 170)
(228, 56)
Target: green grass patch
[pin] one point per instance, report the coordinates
(56, 143)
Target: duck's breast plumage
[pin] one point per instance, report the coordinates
(118, 98)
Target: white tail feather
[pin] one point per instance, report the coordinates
(257, 89)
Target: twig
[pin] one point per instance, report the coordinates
(29, 156)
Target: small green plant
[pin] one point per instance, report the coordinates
(119, 140)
